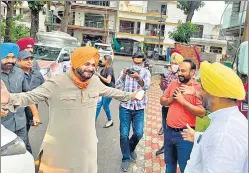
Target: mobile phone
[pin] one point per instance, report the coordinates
(32, 123)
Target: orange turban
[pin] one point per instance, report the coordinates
(83, 54)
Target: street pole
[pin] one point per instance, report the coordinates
(52, 20)
(160, 23)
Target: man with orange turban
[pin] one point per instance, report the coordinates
(223, 147)
(28, 45)
(70, 144)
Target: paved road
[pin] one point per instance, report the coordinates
(109, 155)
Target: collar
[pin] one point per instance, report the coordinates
(223, 113)
(13, 70)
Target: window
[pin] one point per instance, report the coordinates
(164, 9)
(138, 28)
(199, 32)
(94, 20)
(99, 3)
(216, 49)
(127, 26)
(202, 47)
(14, 12)
(73, 21)
(60, 14)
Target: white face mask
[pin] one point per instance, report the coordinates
(174, 68)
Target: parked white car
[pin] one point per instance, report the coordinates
(104, 49)
(14, 156)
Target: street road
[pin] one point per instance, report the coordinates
(109, 154)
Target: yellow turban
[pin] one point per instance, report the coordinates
(221, 81)
(83, 54)
(177, 57)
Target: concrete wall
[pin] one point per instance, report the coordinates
(175, 14)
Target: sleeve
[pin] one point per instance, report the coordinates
(39, 94)
(115, 93)
(223, 154)
(198, 101)
(109, 71)
(120, 83)
(168, 91)
(147, 80)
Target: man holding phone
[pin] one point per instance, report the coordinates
(183, 110)
(134, 78)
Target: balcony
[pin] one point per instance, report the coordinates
(212, 37)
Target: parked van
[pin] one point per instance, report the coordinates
(53, 51)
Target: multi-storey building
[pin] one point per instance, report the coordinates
(89, 20)
(233, 24)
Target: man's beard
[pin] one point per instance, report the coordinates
(7, 66)
(184, 79)
(85, 74)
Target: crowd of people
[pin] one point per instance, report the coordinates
(76, 97)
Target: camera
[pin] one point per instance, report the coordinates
(129, 71)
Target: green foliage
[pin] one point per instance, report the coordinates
(36, 5)
(17, 30)
(183, 32)
(202, 123)
(185, 5)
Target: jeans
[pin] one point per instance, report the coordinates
(128, 117)
(23, 134)
(105, 102)
(175, 149)
(164, 116)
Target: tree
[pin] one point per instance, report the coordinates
(9, 16)
(17, 30)
(35, 8)
(183, 32)
(66, 16)
(189, 8)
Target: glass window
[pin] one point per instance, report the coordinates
(99, 3)
(216, 49)
(94, 20)
(46, 53)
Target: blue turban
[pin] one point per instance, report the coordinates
(6, 48)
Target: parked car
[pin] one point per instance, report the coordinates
(53, 50)
(104, 49)
(14, 156)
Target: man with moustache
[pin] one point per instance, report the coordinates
(70, 144)
(223, 147)
(34, 79)
(15, 81)
(27, 44)
(183, 110)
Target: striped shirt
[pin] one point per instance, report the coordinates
(131, 85)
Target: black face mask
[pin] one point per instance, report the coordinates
(184, 79)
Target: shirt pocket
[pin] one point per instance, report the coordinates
(93, 99)
(68, 101)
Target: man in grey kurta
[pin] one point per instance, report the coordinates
(70, 144)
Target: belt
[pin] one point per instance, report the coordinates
(179, 129)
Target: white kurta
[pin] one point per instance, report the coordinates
(223, 147)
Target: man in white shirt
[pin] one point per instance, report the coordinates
(223, 147)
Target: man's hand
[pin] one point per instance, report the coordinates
(188, 134)
(177, 95)
(36, 119)
(4, 94)
(4, 112)
(135, 75)
(124, 74)
(188, 90)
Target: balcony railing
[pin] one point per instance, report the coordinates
(153, 33)
(92, 24)
(130, 30)
(215, 37)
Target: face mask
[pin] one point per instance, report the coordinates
(136, 67)
(174, 68)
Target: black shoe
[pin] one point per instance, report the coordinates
(160, 151)
(160, 131)
(125, 165)
(133, 156)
